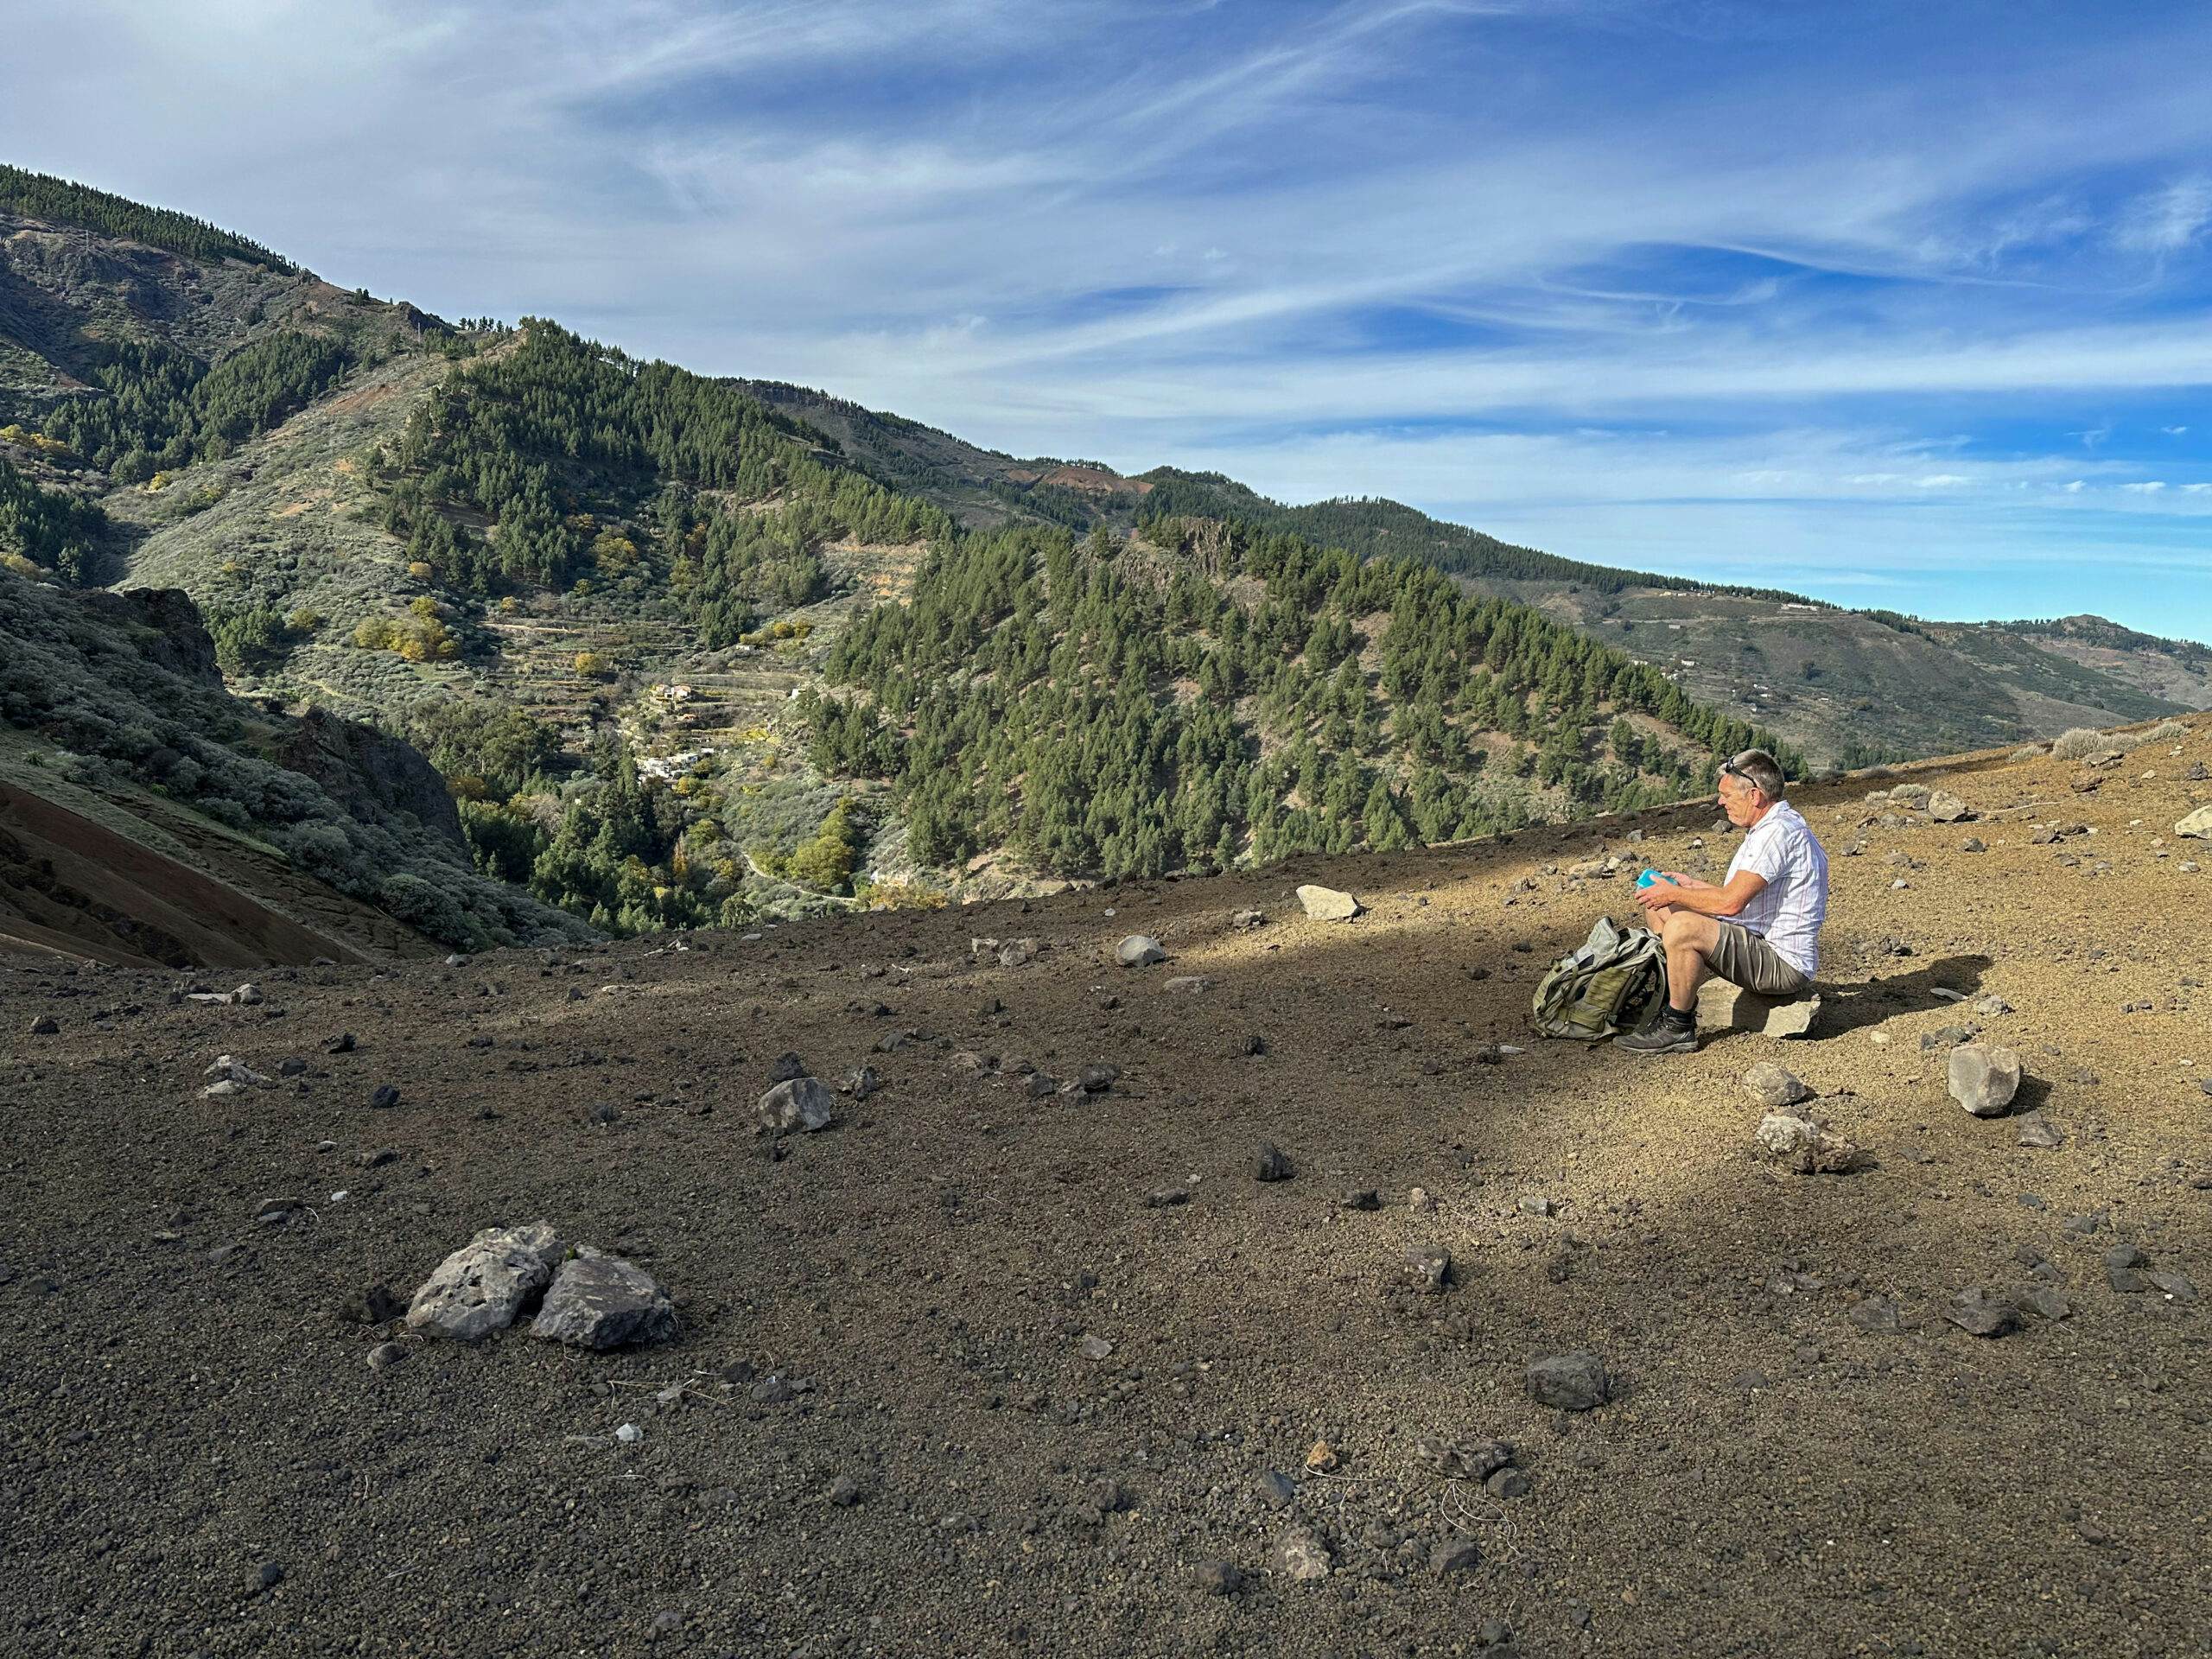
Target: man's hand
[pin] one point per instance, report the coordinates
(1660, 894)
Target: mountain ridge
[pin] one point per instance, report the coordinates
(612, 597)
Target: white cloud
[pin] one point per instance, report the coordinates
(2168, 220)
(2151, 487)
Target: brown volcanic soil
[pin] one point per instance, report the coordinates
(182, 1402)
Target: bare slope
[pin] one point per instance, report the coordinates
(200, 1461)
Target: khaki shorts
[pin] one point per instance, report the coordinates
(1742, 957)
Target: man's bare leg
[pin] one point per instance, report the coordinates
(1689, 938)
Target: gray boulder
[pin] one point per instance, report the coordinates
(1946, 808)
(1139, 950)
(603, 1301)
(1984, 1078)
(1570, 1382)
(1803, 1144)
(802, 1104)
(1327, 903)
(1773, 1087)
(2198, 823)
(482, 1286)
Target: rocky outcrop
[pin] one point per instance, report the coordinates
(369, 772)
(164, 626)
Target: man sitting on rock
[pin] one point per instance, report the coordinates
(1760, 928)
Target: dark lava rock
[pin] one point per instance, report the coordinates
(844, 1492)
(1164, 1197)
(1271, 1164)
(786, 1067)
(1980, 1314)
(1428, 1269)
(1365, 1197)
(46, 1026)
(384, 1096)
(1570, 1382)
(1277, 1490)
(341, 1044)
(1215, 1578)
(1461, 1555)
(603, 1301)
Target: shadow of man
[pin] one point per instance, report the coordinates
(1853, 1008)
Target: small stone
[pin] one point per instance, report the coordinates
(386, 1355)
(2045, 1301)
(2039, 1131)
(1139, 950)
(1944, 807)
(247, 995)
(1751, 1381)
(1428, 1269)
(2123, 1265)
(844, 1492)
(1993, 1005)
(1097, 1349)
(1017, 953)
(800, 1103)
(384, 1096)
(1574, 1382)
(1459, 1555)
(1167, 1198)
(1979, 1314)
(1877, 1316)
(1974, 844)
(1327, 903)
(1532, 1205)
(1097, 1079)
(1321, 1457)
(1508, 1483)
(46, 1026)
(269, 1575)
(1271, 1164)
(1773, 1087)
(2198, 823)
(1364, 1197)
(860, 1084)
(1302, 1557)
(787, 1067)
(1246, 919)
(1188, 985)
(1420, 1201)
(629, 1433)
(1984, 1078)
(1216, 1579)
(2174, 1283)
(1277, 1491)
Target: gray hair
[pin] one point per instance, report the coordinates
(1759, 769)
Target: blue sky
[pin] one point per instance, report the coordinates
(1900, 305)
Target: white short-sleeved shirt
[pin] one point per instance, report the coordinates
(1790, 909)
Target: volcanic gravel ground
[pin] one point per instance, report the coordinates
(196, 1457)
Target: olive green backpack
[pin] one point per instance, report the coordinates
(1615, 982)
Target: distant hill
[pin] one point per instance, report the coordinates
(1849, 687)
(691, 650)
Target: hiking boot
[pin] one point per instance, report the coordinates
(1660, 1037)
